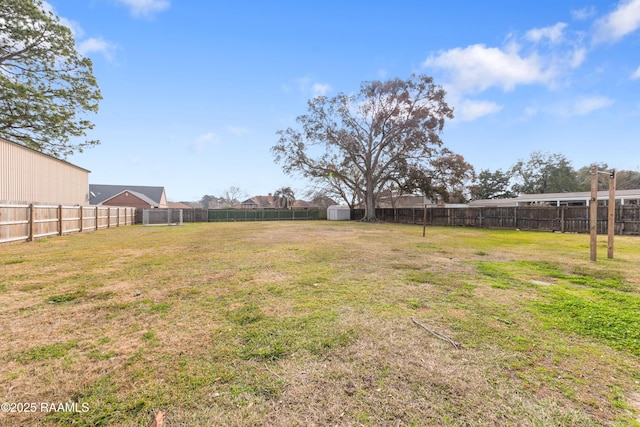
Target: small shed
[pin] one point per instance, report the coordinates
(338, 213)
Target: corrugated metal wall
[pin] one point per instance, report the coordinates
(27, 176)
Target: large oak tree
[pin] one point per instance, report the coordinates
(383, 128)
(46, 86)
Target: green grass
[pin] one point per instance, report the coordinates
(60, 299)
(309, 323)
(48, 351)
(608, 316)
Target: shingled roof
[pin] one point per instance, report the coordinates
(99, 193)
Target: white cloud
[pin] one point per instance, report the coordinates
(636, 74)
(577, 57)
(308, 87)
(320, 89)
(84, 47)
(553, 34)
(145, 7)
(96, 45)
(625, 19)
(468, 110)
(583, 14)
(477, 68)
(586, 105)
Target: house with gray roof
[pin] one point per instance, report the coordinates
(136, 196)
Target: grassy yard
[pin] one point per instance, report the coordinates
(310, 323)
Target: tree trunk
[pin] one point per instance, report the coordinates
(369, 204)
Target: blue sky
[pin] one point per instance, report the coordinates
(194, 92)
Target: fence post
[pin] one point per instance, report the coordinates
(31, 222)
(60, 220)
(81, 218)
(611, 213)
(593, 214)
(117, 217)
(96, 217)
(562, 226)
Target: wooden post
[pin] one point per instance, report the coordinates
(118, 217)
(593, 214)
(31, 222)
(611, 219)
(96, 217)
(108, 217)
(81, 218)
(60, 223)
(424, 221)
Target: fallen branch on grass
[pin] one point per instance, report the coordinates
(438, 335)
(276, 375)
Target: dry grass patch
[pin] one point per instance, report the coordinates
(308, 323)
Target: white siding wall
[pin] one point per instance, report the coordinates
(27, 176)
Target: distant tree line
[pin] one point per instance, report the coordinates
(282, 198)
(448, 178)
(544, 173)
(230, 197)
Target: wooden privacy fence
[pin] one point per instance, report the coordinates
(566, 219)
(29, 222)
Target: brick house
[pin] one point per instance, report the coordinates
(143, 197)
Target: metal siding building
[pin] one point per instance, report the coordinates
(28, 176)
